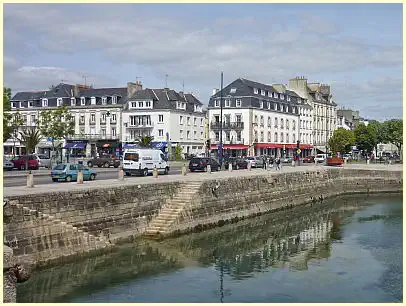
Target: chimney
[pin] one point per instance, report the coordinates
(76, 91)
(215, 90)
(132, 88)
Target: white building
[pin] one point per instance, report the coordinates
(324, 109)
(257, 119)
(172, 118)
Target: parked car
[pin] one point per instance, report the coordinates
(255, 161)
(308, 159)
(69, 172)
(104, 160)
(44, 160)
(286, 159)
(200, 164)
(7, 165)
(320, 158)
(237, 163)
(20, 162)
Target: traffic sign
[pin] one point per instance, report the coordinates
(298, 151)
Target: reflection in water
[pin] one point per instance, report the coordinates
(289, 241)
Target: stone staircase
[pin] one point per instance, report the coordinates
(44, 227)
(171, 210)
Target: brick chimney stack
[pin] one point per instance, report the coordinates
(132, 88)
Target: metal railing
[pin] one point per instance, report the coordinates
(93, 136)
(227, 125)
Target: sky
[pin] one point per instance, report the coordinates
(356, 48)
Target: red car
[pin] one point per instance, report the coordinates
(308, 159)
(20, 162)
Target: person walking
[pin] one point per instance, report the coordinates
(271, 162)
(264, 162)
(278, 163)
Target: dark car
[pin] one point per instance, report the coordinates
(20, 162)
(104, 160)
(200, 164)
(308, 159)
(237, 163)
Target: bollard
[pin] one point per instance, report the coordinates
(208, 169)
(155, 172)
(345, 161)
(30, 180)
(367, 161)
(230, 167)
(121, 174)
(184, 169)
(80, 177)
(293, 163)
(249, 166)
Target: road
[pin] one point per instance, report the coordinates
(19, 178)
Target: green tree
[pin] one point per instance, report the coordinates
(11, 121)
(394, 133)
(178, 152)
(365, 138)
(378, 133)
(341, 141)
(145, 141)
(56, 124)
(30, 138)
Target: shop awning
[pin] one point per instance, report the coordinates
(269, 145)
(231, 147)
(306, 146)
(75, 145)
(106, 145)
(130, 146)
(159, 145)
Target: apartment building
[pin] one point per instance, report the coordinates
(257, 119)
(324, 110)
(172, 118)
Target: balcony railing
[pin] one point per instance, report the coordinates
(139, 125)
(227, 125)
(93, 136)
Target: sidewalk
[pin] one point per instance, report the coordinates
(190, 177)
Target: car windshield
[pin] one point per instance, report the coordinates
(60, 167)
(251, 158)
(131, 156)
(196, 160)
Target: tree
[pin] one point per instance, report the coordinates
(11, 121)
(365, 138)
(178, 152)
(56, 124)
(30, 138)
(341, 141)
(378, 132)
(394, 133)
(145, 141)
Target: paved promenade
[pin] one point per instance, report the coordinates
(196, 177)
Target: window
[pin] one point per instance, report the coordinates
(33, 119)
(25, 119)
(148, 104)
(44, 102)
(238, 103)
(104, 100)
(262, 120)
(188, 121)
(270, 94)
(217, 136)
(262, 92)
(281, 137)
(82, 101)
(201, 121)
(201, 135)
(287, 137)
(160, 118)
(113, 117)
(227, 101)
(103, 117)
(298, 100)
(59, 102)
(195, 135)
(276, 122)
(216, 103)
(114, 100)
(30, 104)
(181, 120)
(13, 105)
(261, 104)
(82, 119)
(262, 136)
(92, 117)
(275, 95)
(269, 121)
(188, 134)
(160, 133)
(233, 90)
(238, 135)
(287, 124)
(256, 119)
(256, 91)
(294, 137)
(281, 123)
(294, 125)
(288, 98)
(276, 137)
(181, 134)
(103, 132)
(93, 100)
(275, 106)
(294, 110)
(269, 105)
(282, 96)
(141, 104)
(194, 121)
(73, 101)
(113, 131)
(227, 136)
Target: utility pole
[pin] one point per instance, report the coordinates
(220, 149)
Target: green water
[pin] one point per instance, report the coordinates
(347, 249)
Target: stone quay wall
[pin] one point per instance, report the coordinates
(48, 227)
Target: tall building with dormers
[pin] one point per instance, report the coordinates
(257, 119)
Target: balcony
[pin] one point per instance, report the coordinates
(227, 125)
(93, 137)
(139, 125)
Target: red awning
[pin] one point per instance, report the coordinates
(231, 147)
(306, 146)
(268, 145)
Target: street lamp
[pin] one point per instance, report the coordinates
(220, 148)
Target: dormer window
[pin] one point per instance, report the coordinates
(83, 101)
(59, 102)
(93, 100)
(299, 100)
(227, 102)
(73, 101)
(238, 103)
(261, 104)
(13, 104)
(114, 100)
(288, 98)
(275, 95)
(282, 97)
(256, 91)
(262, 92)
(44, 102)
(30, 104)
(216, 103)
(104, 100)
(270, 94)
(141, 104)
(233, 90)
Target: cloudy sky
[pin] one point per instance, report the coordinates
(357, 48)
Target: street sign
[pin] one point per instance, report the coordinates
(298, 151)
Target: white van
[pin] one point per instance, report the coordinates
(320, 158)
(143, 162)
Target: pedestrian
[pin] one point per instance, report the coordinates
(271, 162)
(264, 162)
(278, 163)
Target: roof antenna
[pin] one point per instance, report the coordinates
(136, 79)
(85, 77)
(166, 81)
(183, 86)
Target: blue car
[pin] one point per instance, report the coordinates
(69, 172)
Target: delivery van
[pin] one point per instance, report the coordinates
(143, 162)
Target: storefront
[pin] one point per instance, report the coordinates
(76, 148)
(112, 147)
(231, 150)
(160, 145)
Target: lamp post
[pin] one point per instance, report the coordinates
(220, 148)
